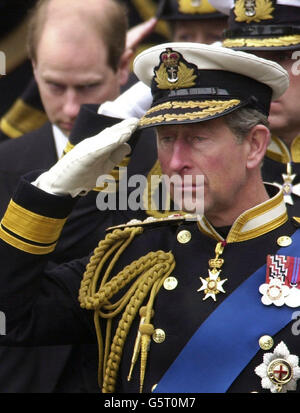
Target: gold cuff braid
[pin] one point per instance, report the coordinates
(28, 231)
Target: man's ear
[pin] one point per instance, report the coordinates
(34, 67)
(124, 66)
(258, 139)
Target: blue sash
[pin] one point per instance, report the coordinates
(228, 339)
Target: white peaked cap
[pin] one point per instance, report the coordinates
(193, 81)
(216, 57)
(224, 6)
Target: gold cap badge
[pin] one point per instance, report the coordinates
(253, 10)
(173, 72)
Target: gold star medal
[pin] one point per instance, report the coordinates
(213, 284)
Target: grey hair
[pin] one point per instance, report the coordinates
(241, 121)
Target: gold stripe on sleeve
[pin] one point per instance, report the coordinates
(31, 226)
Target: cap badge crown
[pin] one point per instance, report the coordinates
(253, 10)
(173, 73)
(171, 60)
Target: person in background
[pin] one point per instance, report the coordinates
(193, 21)
(22, 111)
(271, 30)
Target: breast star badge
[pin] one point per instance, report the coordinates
(212, 285)
(279, 371)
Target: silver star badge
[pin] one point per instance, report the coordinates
(279, 371)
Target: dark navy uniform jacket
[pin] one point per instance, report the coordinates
(42, 306)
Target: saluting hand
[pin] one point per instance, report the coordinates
(76, 173)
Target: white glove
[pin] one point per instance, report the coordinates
(133, 103)
(76, 173)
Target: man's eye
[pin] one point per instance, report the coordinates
(55, 86)
(196, 138)
(165, 140)
(197, 141)
(282, 57)
(184, 37)
(88, 87)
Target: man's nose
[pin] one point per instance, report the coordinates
(180, 156)
(71, 105)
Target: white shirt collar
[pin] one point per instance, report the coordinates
(60, 140)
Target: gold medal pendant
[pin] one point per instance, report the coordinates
(213, 284)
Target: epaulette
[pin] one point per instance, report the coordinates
(296, 221)
(151, 221)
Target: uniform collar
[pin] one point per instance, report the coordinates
(254, 222)
(278, 151)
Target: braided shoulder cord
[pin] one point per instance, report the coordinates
(88, 297)
(147, 275)
(160, 265)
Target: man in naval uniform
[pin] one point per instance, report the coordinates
(200, 303)
(271, 29)
(193, 20)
